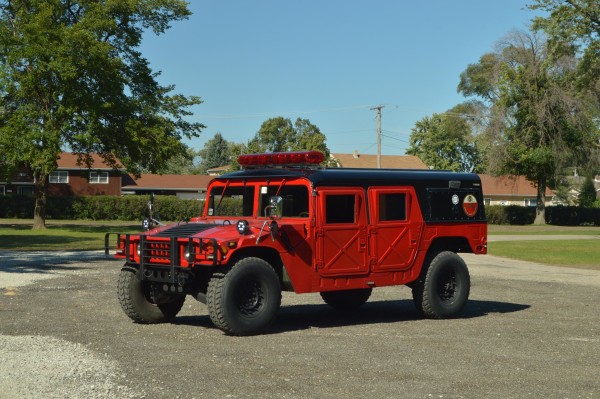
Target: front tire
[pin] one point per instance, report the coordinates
(444, 289)
(141, 304)
(346, 299)
(246, 299)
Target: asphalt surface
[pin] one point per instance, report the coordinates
(529, 331)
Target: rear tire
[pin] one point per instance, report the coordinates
(139, 303)
(444, 289)
(246, 299)
(347, 299)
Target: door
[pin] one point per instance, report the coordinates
(341, 232)
(396, 226)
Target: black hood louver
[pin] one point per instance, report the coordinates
(184, 230)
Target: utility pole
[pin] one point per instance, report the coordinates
(378, 108)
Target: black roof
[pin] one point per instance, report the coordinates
(348, 177)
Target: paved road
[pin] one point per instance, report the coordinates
(529, 330)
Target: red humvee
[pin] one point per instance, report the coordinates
(285, 223)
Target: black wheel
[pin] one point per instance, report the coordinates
(245, 300)
(141, 303)
(444, 289)
(346, 299)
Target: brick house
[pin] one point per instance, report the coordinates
(511, 190)
(70, 179)
(357, 160)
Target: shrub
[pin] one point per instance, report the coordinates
(513, 214)
(131, 207)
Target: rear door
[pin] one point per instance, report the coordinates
(396, 226)
(341, 232)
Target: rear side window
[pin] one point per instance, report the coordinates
(340, 208)
(392, 207)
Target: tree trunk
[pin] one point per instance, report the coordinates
(540, 208)
(39, 213)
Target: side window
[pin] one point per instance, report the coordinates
(295, 199)
(340, 208)
(392, 207)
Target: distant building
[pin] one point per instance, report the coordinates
(357, 160)
(511, 190)
(182, 186)
(70, 179)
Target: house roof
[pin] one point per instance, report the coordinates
(68, 160)
(516, 186)
(219, 170)
(387, 161)
(168, 182)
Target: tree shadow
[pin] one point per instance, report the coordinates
(304, 317)
(46, 261)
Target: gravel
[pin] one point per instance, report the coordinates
(61, 368)
(528, 330)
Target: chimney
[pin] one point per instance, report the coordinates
(355, 155)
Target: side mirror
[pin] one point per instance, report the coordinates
(275, 207)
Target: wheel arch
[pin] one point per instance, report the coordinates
(269, 255)
(453, 244)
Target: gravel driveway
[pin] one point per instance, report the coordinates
(529, 330)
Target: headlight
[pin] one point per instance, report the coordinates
(186, 254)
(242, 227)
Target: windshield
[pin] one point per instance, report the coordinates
(235, 201)
(239, 200)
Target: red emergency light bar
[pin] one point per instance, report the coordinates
(282, 158)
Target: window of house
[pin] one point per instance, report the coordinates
(59, 176)
(25, 190)
(98, 177)
(2, 190)
(340, 208)
(531, 202)
(392, 207)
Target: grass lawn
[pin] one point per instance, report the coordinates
(583, 254)
(494, 229)
(72, 235)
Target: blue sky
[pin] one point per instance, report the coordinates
(328, 61)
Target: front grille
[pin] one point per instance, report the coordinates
(156, 252)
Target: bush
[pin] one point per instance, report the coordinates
(555, 215)
(572, 216)
(513, 214)
(131, 207)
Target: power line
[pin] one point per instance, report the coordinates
(268, 114)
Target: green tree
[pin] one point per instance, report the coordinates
(216, 152)
(188, 164)
(538, 123)
(280, 135)
(445, 141)
(72, 77)
(573, 27)
(587, 195)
